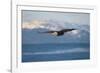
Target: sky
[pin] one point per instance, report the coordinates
(54, 21)
(76, 18)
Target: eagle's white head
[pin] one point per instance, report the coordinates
(54, 33)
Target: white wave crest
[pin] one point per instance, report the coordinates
(75, 50)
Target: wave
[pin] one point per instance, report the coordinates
(74, 50)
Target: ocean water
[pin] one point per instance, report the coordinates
(55, 52)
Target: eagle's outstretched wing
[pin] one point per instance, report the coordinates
(48, 32)
(67, 30)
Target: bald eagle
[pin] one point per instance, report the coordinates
(59, 33)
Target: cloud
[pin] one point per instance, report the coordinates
(76, 33)
(33, 24)
(56, 26)
(74, 50)
(47, 24)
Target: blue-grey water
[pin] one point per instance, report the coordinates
(55, 52)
